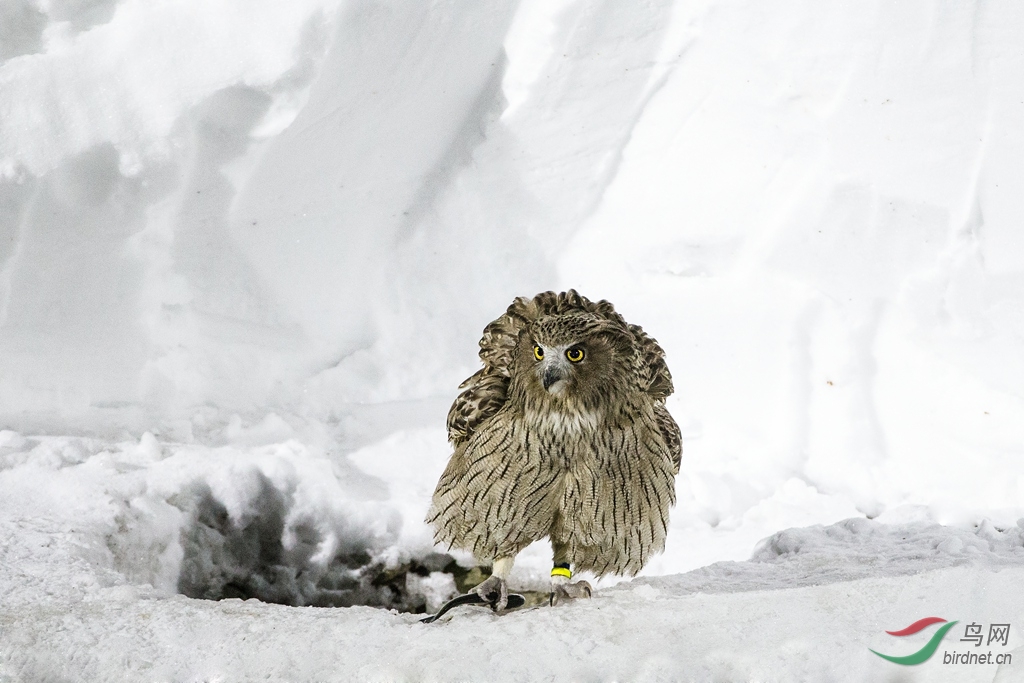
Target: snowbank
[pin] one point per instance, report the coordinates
(84, 556)
(812, 209)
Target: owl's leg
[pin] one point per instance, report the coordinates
(561, 588)
(494, 590)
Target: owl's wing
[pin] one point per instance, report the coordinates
(485, 391)
(483, 396)
(657, 382)
(670, 432)
(652, 369)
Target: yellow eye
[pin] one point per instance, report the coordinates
(575, 354)
(538, 352)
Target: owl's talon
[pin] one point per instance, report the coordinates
(569, 591)
(494, 591)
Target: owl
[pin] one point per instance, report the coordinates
(562, 434)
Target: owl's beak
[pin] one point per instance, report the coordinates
(553, 374)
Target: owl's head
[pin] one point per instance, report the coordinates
(575, 358)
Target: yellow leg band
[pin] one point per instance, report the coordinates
(561, 571)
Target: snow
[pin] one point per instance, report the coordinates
(246, 251)
(807, 606)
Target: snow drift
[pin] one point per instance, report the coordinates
(87, 549)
